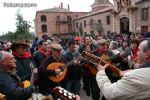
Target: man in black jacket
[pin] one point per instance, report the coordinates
(45, 83)
(9, 80)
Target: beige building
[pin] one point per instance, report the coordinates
(122, 17)
(55, 21)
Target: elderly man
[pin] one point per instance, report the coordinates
(45, 84)
(9, 80)
(24, 60)
(134, 85)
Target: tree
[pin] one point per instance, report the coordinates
(23, 28)
(22, 31)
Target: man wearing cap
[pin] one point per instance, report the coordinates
(24, 60)
(45, 84)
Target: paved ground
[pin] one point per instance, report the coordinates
(83, 95)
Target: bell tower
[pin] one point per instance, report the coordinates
(100, 4)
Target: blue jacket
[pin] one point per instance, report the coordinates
(9, 85)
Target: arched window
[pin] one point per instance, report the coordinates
(43, 18)
(44, 28)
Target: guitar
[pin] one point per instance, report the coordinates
(64, 94)
(63, 68)
(2, 96)
(93, 69)
(98, 60)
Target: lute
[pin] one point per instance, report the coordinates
(97, 60)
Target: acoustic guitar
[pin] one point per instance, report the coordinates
(98, 60)
(93, 69)
(64, 94)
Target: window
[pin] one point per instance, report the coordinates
(69, 19)
(84, 23)
(44, 28)
(108, 19)
(43, 18)
(99, 21)
(76, 24)
(80, 25)
(144, 13)
(57, 18)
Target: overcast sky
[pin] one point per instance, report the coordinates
(7, 16)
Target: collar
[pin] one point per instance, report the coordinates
(26, 55)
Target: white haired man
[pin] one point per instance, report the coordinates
(9, 80)
(134, 85)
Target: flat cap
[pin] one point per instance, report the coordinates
(56, 46)
(102, 41)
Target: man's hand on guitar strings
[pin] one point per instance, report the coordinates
(100, 67)
(76, 62)
(57, 71)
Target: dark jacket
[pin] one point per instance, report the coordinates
(9, 85)
(24, 66)
(45, 84)
(74, 71)
(38, 58)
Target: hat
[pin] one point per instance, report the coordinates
(18, 43)
(77, 38)
(147, 35)
(102, 41)
(56, 46)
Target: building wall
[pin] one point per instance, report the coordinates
(115, 13)
(99, 16)
(51, 22)
(139, 21)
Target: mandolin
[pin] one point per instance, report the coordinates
(64, 94)
(63, 68)
(98, 60)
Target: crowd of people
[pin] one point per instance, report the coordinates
(40, 65)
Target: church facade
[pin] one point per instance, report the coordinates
(122, 17)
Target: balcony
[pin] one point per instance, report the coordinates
(64, 21)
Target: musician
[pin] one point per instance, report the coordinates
(102, 50)
(134, 85)
(45, 84)
(74, 70)
(9, 80)
(24, 60)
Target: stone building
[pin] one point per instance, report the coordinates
(98, 21)
(55, 21)
(121, 17)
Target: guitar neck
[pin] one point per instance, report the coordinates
(66, 65)
(113, 68)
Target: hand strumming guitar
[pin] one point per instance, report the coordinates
(57, 71)
(100, 67)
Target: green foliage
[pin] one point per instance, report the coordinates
(22, 30)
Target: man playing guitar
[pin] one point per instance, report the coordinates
(45, 84)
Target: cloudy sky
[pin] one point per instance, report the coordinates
(8, 11)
